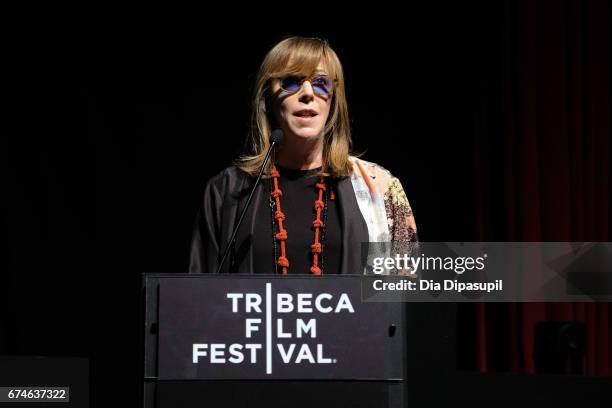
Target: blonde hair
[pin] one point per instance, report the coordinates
(299, 55)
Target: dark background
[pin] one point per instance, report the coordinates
(494, 115)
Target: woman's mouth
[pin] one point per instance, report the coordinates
(305, 114)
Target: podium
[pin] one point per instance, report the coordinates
(270, 340)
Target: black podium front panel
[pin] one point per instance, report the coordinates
(304, 328)
(254, 340)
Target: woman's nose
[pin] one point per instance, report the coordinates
(307, 91)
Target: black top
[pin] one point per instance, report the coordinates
(297, 202)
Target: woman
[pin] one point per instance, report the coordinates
(317, 205)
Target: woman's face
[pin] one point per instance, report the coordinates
(302, 113)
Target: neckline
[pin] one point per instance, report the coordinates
(296, 173)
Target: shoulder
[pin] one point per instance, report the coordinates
(380, 178)
(372, 168)
(228, 173)
(229, 177)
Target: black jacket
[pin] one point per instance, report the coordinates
(224, 198)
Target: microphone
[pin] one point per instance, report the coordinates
(275, 138)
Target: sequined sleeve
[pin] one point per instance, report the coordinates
(402, 227)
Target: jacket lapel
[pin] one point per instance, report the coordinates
(354, 230)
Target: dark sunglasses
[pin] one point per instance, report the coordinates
(322, 85)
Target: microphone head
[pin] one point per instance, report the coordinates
(277, 136)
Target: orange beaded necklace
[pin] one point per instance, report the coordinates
(281, 236)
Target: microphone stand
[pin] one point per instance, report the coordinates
(231, 241)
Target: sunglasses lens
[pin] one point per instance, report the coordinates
(290, 83)
(322, 85)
